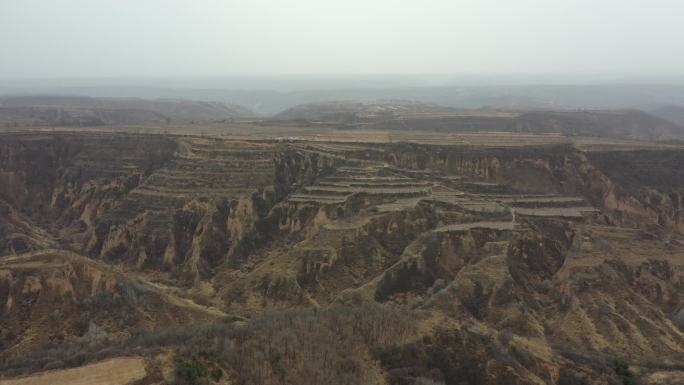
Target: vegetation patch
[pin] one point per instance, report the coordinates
(622, 370)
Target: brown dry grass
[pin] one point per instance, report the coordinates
(116, 371)
(248, 131)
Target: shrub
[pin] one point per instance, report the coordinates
(314, 346)
(332, 346)
(426, 381)
(54, 365)
(190, 373)
(216, 374)
(622, 370)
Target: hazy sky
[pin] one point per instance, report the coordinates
(118, 38)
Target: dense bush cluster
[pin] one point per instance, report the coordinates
(304, 346)
(330, 346)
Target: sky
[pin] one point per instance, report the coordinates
(207, 38)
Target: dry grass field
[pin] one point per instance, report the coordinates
(116, 371)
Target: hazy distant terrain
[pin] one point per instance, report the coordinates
(403, 115)
(674, 114)
(664, 123)
(272, 99)
(57, 110)
(352, 111)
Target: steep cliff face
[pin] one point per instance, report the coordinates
(645, 185)
(66, 182)
(48, 174)
(297, 168)
(436, 258)
(634, 187)
(525, 169)
(29, 169)
(193, 234)
(183, 206)
(18, 234)
(189, 241)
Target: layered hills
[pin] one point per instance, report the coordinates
(237, 260)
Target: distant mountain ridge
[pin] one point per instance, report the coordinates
(356, 110)
(664, 123)
(674, 114)
(84, 111)
(268, 100)
(403, 115)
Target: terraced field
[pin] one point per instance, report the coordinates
(372, 181)
(461, 227)
(397, 189)
(208, 168)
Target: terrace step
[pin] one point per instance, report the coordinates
(483, 187)
(555, 212)
(398, 205)
(460, 227)
(322, 199)
(544, 201)
(371, 190)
